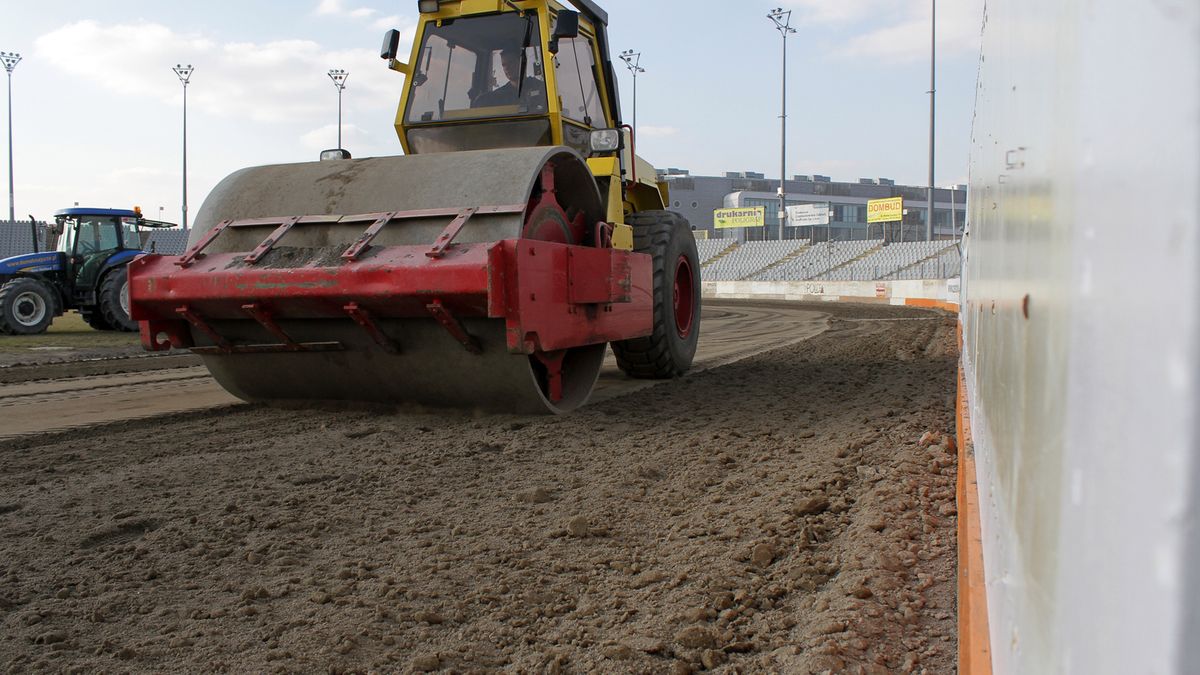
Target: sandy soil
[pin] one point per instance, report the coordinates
(790, 512)
(58, 396)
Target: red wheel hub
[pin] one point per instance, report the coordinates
(685, 297)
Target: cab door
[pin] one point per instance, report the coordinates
(96, 239)
(580, 97)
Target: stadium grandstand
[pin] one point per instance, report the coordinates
(802, 260)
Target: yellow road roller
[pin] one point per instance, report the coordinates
(488, 267)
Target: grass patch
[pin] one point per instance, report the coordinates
(68, 331)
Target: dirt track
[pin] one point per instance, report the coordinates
(62, 395)
(777, 514)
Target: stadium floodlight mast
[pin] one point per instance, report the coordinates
(782, 19)
(184, 73)
(339, 78)
(10, 60)
(633, 61)
(932, 99)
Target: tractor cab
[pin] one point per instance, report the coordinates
(93, 241)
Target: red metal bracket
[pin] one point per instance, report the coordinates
(364, 242)
(553, 362)
(223, 345)
(363, 318)
(603, 235)
(447, 236)
(263, 317)
(271, 240)
(452, 324)
(194, 252)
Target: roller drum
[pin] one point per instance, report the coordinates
(431, 367)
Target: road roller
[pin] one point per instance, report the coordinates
(487, 267)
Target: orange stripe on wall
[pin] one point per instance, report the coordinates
(974, 645)
(932, 304)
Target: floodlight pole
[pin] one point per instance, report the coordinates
(184, 73)
(10, 60)
(932, 99)
(782, 20)
(632, 61)
(339, 78)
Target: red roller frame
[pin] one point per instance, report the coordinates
(551, 296)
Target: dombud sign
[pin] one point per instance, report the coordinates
(885, 210)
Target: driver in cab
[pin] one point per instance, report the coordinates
(531, 91)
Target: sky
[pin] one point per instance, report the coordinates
(97, 112)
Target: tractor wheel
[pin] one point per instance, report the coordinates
(114, 300)
(669, 350)
(95, 318)
(27, 306)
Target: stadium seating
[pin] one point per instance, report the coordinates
(818, 260)
(710, 248)
(867, 260)
(15, 238)
(168, 242)
(749, 258)
(889, 260)
(946, 265)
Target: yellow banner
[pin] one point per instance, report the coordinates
(700, 234)
(885, 210)
(753, 216)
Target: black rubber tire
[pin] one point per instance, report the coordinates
(94, 318)
(664, 354)
(20, 287)
(110, 300)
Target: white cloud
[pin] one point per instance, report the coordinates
(834, 11)
(648, 131)
(395, 21)
(958, 32)
(266, 82)
(337, 8)
(894, 29)
(326, 7)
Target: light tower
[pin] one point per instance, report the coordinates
(632, 61)
(782, 20)
(10, 60)
(339, 78)
(185, 75)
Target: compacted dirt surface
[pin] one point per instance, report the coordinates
(792, 511)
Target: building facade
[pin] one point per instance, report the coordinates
(697, 197)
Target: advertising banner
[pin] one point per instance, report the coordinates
(753, 216)
(804, 215)
(885, 210)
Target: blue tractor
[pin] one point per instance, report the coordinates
(86, 272)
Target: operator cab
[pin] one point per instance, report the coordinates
(89, 237)
(502, 80)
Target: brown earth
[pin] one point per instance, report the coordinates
(784, 513)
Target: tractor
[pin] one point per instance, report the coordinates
(489, 267)
(87, 272)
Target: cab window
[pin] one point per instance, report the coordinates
(130, 237)
(96, 234)
(575, 71)
(478, 67)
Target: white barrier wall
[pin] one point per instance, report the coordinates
(1081, 333)
(891, 292)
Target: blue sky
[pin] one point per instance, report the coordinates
(97, 111)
